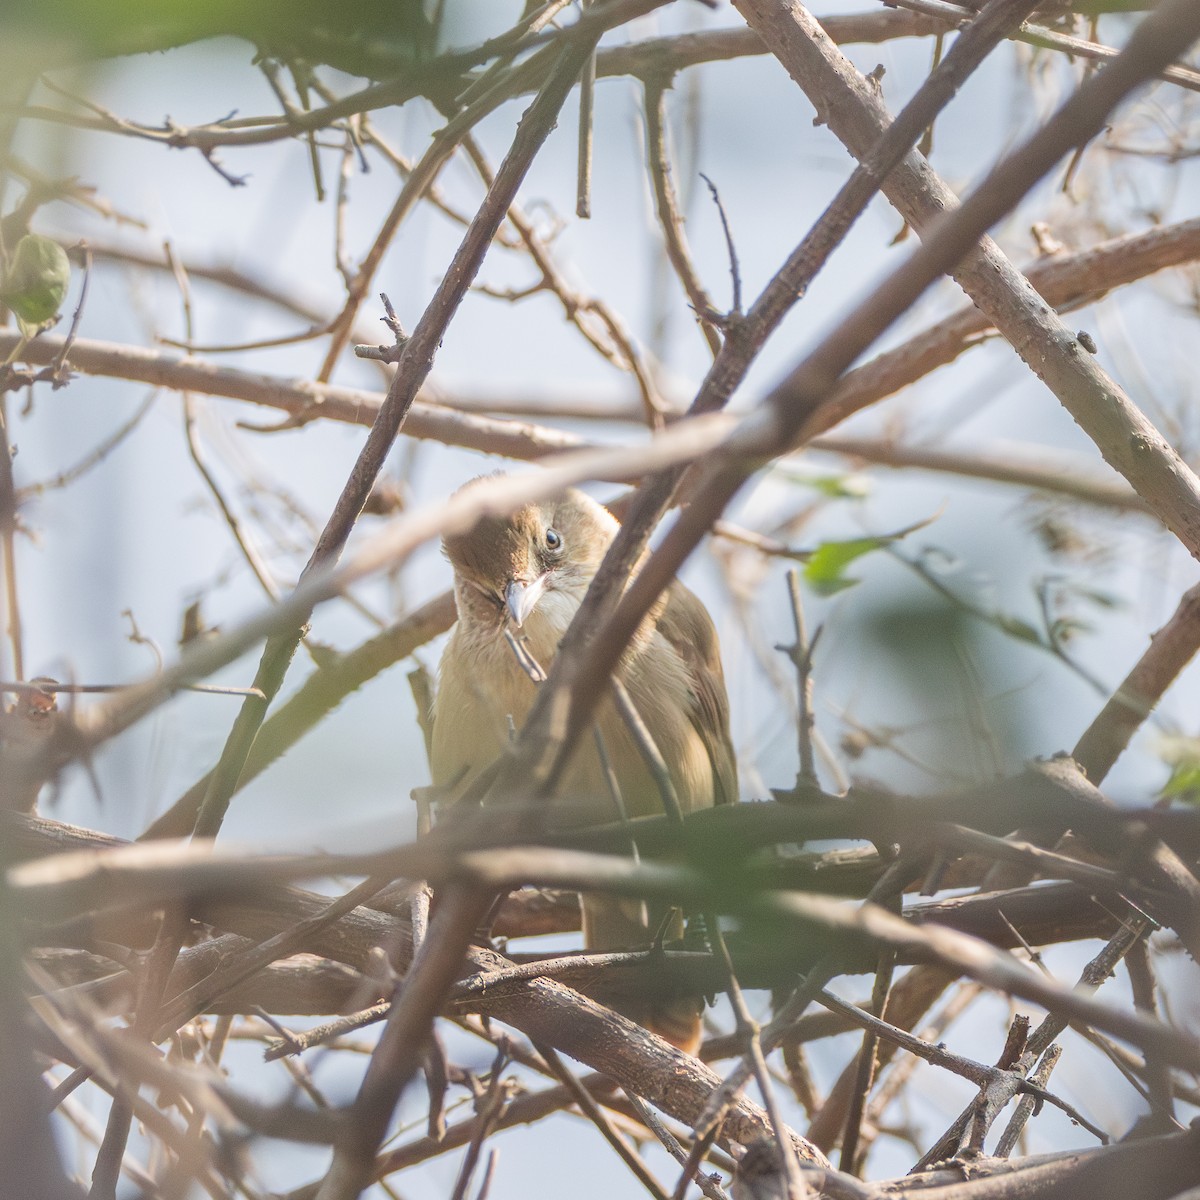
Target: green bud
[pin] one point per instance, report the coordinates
(35, 283)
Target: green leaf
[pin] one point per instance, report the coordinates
(1182, 755)
(1015, 627)
(376, 38)
(36, 281)
(840, 487)
(848, 485)
(1184, 783)
(1099, 598)
(825, 571)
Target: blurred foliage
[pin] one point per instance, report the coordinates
(1182, 754)
(843, 485)
(363, 37)
(1184, 783)
(825, 570)
(960, 723)
(35, 281)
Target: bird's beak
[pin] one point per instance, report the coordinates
(521, 596)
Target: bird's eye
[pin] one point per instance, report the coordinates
(554, 542)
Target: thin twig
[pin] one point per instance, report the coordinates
(320, 1035)
(735, 271)
(670, 219)
(1028, 1103)
(94, 456)
(595, 320)
(590, 1109)
(8, 531)
(241, 539)
(1049, 39)
(240, 967)
(583, 177)
(749, 1031)
(58, 368)
(648, 749)
(49, 687)
(1169, 652)
(705, 1182)
(801, 652)
(867, 1065)
(695, 1156)
(490, 1108)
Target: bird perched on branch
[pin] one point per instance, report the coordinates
(526, 575)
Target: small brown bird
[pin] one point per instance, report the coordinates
(527, 574)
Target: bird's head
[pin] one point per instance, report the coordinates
(542, 556)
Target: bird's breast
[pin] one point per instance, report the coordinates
(548, 623)
(484, 694)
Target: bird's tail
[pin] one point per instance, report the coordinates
(676, 1021)
(621, 924)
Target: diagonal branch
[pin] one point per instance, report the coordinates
(794, 408)
(585, 657)
(440, 957)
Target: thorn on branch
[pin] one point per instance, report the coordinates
(394, 352)
(210, 156)
(13, 379)
(734, 268)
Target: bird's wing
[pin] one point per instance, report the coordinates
(686, 625)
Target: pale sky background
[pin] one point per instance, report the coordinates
(140, 532)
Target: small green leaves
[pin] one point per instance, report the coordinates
(1184, 783)
(1182, 754)
(845, 485)
(36, 279)
(851, 486)
(1017, 628)
(825, 570)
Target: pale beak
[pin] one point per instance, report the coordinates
(521, 597)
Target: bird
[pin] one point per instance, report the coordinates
(524, 576)
(760, 1174)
